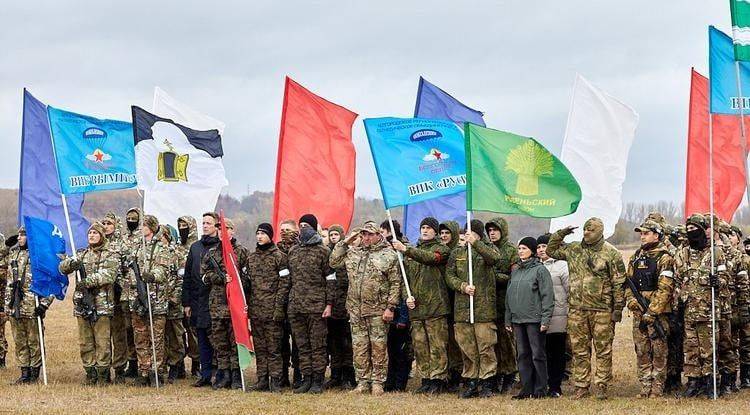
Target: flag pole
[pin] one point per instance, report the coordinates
(41, 341)
(471, 270)
(154, 363)
(400, 257)
(743, 139)
(713, 257)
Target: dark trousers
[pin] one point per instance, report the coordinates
(556, 360)
(205, 350)
(400, 357)
(339, 343)
(289, 352)
(532, 357)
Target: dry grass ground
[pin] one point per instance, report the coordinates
(64, 394)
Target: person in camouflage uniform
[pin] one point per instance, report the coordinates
(266, 266)
(505, 349)
(188, 232)
(374, 293)
(339, 331)
(596, 300)
(174, 331)
(477, 340)
(740, 308)
(449, 236)
(697, 282)
(100, 266)
(132, 238)
(222, 333)
(4, 249)
(24, 314)
(154, 260)
(310, 290)
(289, 353)
(651, 268)
(744, 334)
(428, 306)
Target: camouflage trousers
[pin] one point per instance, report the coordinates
(143, 350)
(651, 354)
(505, 350)
(95, 342)
(26, 337)
(430, 341)
(455, 362)
(267, 336)
(310, 331)
(225, 347)
(585, 328)
(698, 349)
(3, 339)
(339, 343)
(675, 340)
(121, 330)
(741, 340)
(477, 342)
(370, 348)
(191, 340)
(174, 341)
(727, 360)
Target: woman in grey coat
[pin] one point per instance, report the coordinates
(528, 311)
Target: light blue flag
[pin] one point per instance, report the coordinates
(416, 159)
(45, 242)
(723, 75)
(92, 154)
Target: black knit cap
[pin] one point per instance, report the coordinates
(431, 222)
(530, 243)
(543, 239)
(477, 227)
(309, 219)
(266, 228)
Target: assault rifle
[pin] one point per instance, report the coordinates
(16, 296)
(86, 305)
(644, 303)
(141, 298)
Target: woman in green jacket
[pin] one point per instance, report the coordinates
(528, 308)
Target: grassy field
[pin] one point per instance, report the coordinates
(64, 393)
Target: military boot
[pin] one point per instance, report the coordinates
(262, 385)
(91, 378)
(722, 387)
(236, 379)
(275, 385)
(195, 368)
(348, 378)
(377, 389)
(316, 385)
(24, 378)
(305, 384)
(486, 389)
(471, 389)
(336, 379)
(424, 387)
(103, 376)
(694, 388)
(438, 386)
(362, 388)
(142, 380)
(745, 376)
(454, 381)
(181, 374)
(152, 378)
(119, 375)
(708, 387)
(508, 381)
(132, 371)
(172, 374)
(222, 380)
(601, 392)
(581, 393)
(296, 378)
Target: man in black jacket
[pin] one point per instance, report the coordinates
(195, 294)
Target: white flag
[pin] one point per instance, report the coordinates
(597, 141)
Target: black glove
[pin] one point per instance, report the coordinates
(148, 277)
(713, 280)
(40, 311)
(75, 264)
(12, 240)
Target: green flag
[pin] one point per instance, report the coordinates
(508, 173)
(741, 28)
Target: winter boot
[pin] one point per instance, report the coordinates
(426, 384)
(437, 386)
(103, 376)
(195, 368)
(348, 378)
(24, 378)
(485, 388)
(708, 388)
(316, 386)
(275, 385)
(262, 385)
(745, 376)
(91, 376)
(172, 374)
(236, 379)
(336, 379)
(181, 374)
(119, 375)
(132, 371)
(694, 388)
(222, 380)
(304, 385)
(508, 381)
(471, 389)
(296, 378)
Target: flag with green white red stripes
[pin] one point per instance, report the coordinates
(741, 28)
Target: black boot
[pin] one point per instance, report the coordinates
(694, 388)
(142, 381)
(732, 382)
(437, 386)
(34, 374)
(195, 368)
(296, 378)
(471, 389)
(348, 378)
(91, 377)
(708, 387)
(485, 388)
(172, 374)
(181, 374)
(24, 378)
(103, 376)
(262, 385)
(723, 388)
(424, 387)
(275, 385)
(316, 385)
(508, 381)
(336, 379)
(202, 383)
(454, 381)
(305, 384)
(119, 375)
(132, 371)
(222, 380)
(236, 379)
(745, 376)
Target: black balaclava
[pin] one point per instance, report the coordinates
(132, 225)
(184, 234)
(697, 238)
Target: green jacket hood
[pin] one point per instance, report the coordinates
(501, 223)
(453, 227)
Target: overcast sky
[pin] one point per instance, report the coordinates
(514, 60)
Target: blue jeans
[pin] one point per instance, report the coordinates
(206, 351)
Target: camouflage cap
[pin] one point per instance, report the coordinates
(98, 227)
(657, 217)
(110, 216)
(680, 229)
(369, 227)
(165, 232)
(650, 225)
(151, 222)
(737, 231)
(696, 219)
(338, 228)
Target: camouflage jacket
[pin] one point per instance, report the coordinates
(101, 266)
(218, 307)
(183, 249)
(735, 298)
(484, 257)
(339, 298)
(286, 246)
(265, 270)
(21, 275)
(425, 270)
(121, 251)
(597, 273)
(374, 277)
(311, 284)
(153, 257)
(3, 271)
(660, 300)
(692, 271)
(508, 257)
(175, 310)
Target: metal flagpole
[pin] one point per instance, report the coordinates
(713, 257)
(743, 139)
(154, 363)
(41, 342)
(471, 270)
(400, 257)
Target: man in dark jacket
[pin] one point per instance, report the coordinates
(195, 294)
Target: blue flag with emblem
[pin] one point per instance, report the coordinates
(725, 97)
(416, 159)
(45, 242)
(92, 154)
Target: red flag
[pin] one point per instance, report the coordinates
(728, 157)
(316, 159)
(236, 299)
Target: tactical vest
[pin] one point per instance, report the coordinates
(645, 274)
